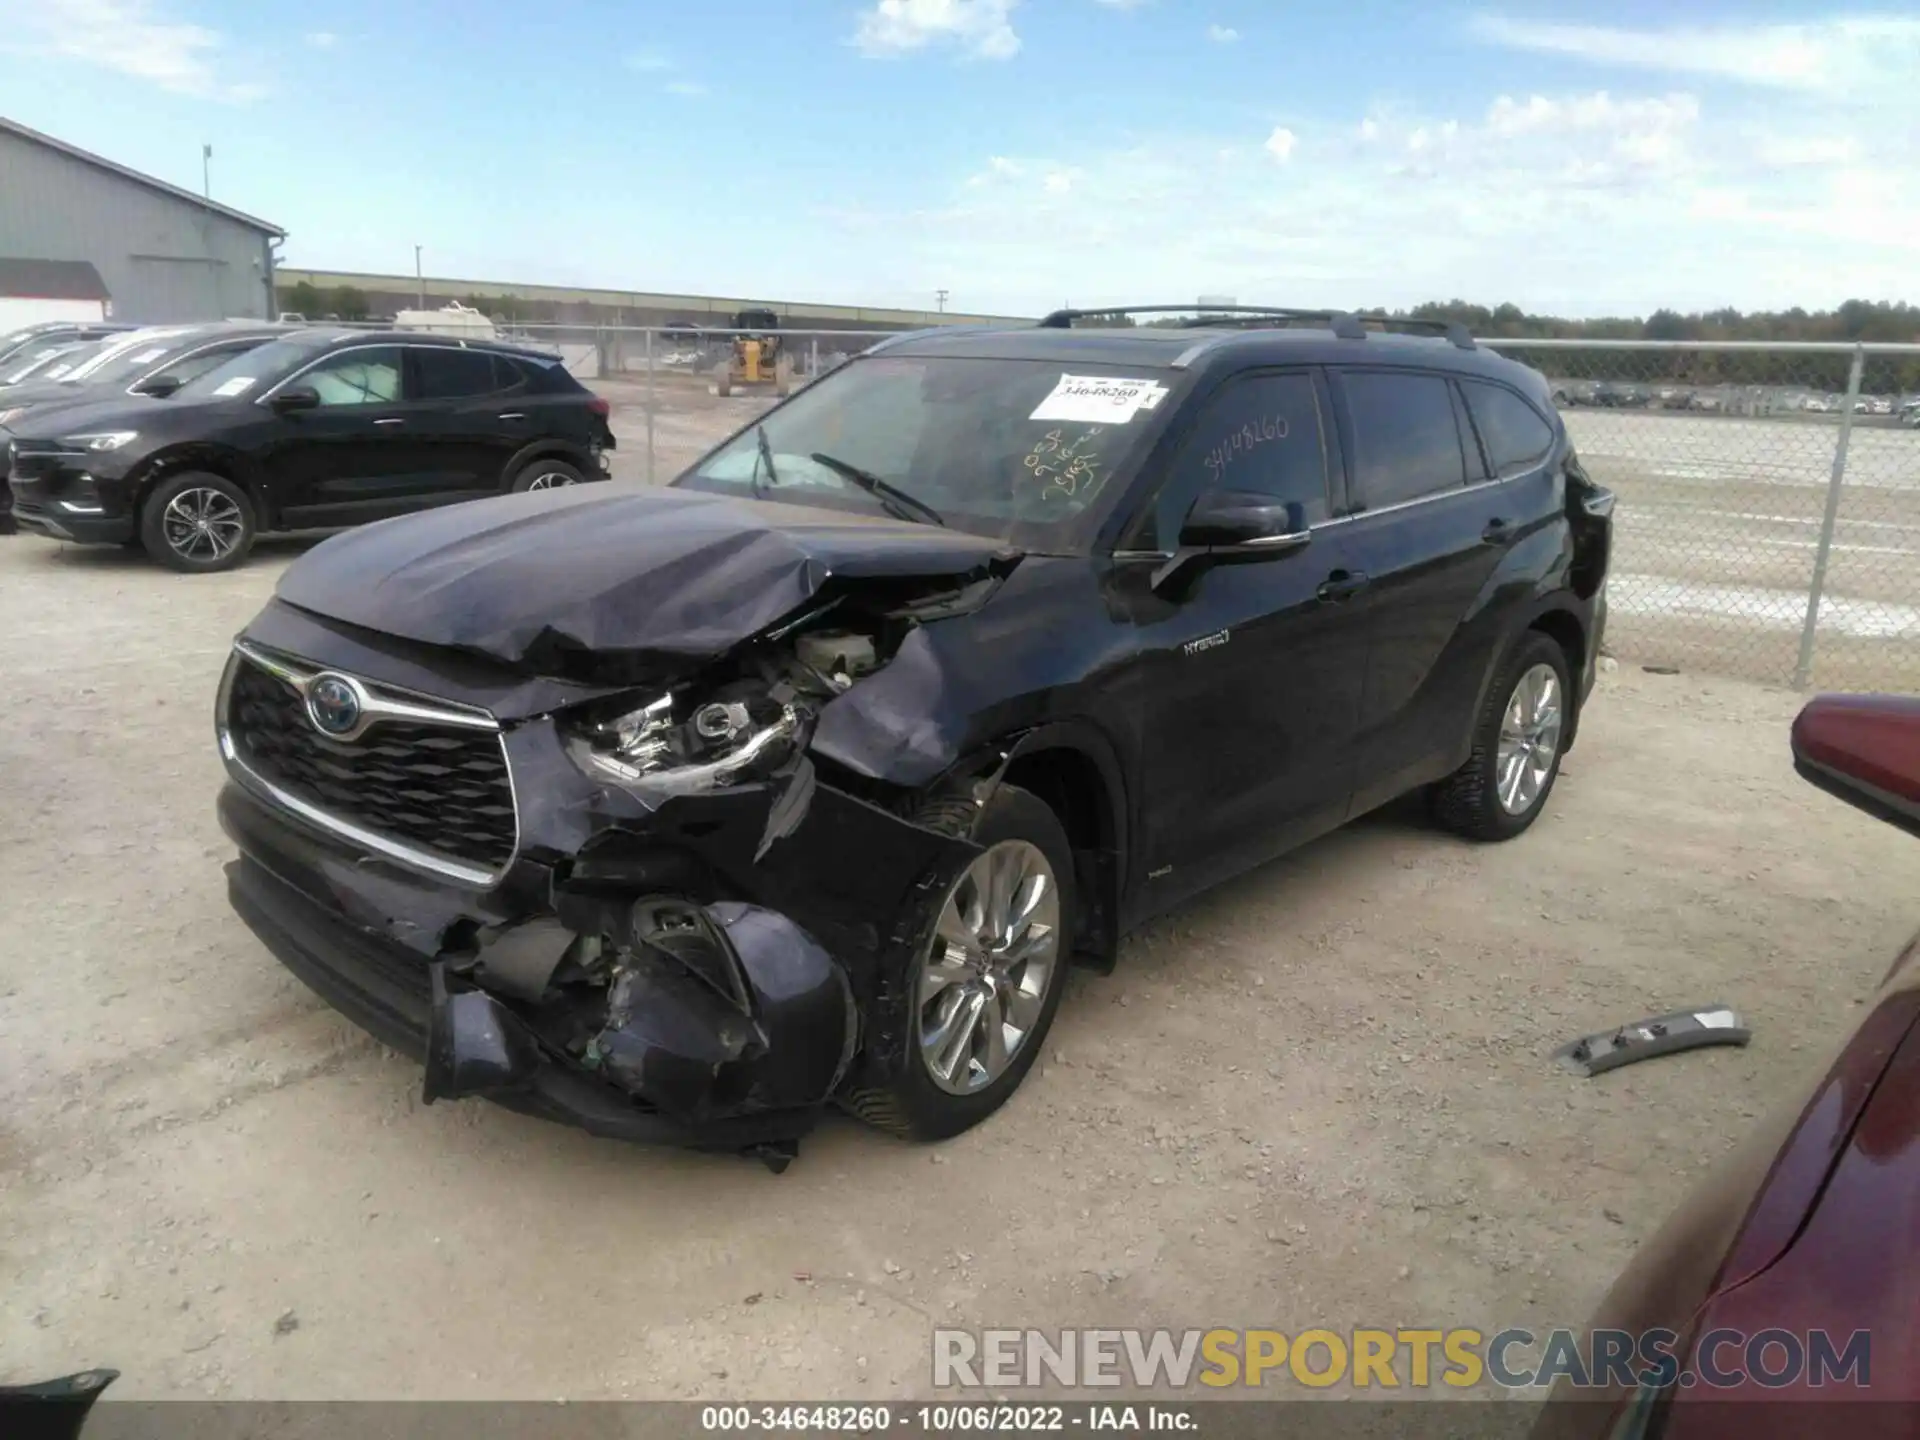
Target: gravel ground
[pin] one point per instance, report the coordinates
(1319, 1096)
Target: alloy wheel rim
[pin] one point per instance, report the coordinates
(549, 480)
(985, 972)
(1529, 739)
(202, 524)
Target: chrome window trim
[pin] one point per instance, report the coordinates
(403, 345)
(298, 675)
(1334, 520)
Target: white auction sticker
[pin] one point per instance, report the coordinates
(145, 355)
(239, 385)
(1098, 400)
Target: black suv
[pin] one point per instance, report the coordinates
(679, 813)
(318, 429)
(18, 346)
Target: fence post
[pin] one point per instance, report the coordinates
(650, 404)
(1804, 665)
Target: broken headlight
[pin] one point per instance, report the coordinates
(702, 746)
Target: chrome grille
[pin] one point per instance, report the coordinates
(433, 790)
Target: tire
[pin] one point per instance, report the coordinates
(544, 473)
(898, 1091)
(1470, 801)
(170, 529)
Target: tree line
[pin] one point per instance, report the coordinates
(1854, 321)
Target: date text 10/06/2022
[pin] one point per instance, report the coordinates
(947, 1419)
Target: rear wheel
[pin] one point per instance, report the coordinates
(1504, 785)
(545, 474)
(981, 987)
(197, 522)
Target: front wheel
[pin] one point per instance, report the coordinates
(544, 474)
(978, 994)
(1504, 785)
(197, 522)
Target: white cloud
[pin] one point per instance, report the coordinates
(648, 61)
(981, 28)
(321, 39)
(1589, 203)
(1838, 54)
(685, 87)
(1121, 4)
(1222, 34)
(129, 38)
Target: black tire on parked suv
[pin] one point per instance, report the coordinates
(197, 522)
(1517, 741)
(959, 968)
(545, 473)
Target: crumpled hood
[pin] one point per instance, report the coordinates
(613, 570)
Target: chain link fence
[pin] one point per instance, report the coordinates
(1768, 523)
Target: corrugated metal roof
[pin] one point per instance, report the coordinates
(26, 132)
(22, 279)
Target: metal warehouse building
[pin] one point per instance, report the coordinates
(163, 253)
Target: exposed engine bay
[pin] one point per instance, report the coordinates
(692, 920)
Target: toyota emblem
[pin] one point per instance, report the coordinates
(334, 706)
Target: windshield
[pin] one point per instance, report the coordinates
(251, 371)
(1015, 449)
(124, 357)
(33, 361)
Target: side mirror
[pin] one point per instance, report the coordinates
(1237, 519)
(159, 387)
(1864, 749)
(296, 397)
(1229, 526)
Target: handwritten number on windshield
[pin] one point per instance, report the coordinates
(1065, 467)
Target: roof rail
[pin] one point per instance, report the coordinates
(1063, 319)
(1345, 324)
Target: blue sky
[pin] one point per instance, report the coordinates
(1585, 159)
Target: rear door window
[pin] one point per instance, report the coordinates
(1259, 433)
(1406, 443)
(453, 374)
(1514, 434)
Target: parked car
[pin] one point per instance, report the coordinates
(678, 813)
(315, 429)
(153, 362)
(53, 332)
(1806, 1228)
(33, 362)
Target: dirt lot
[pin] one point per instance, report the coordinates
(1319, 1096)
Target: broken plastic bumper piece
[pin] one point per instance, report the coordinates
(1644, 1039)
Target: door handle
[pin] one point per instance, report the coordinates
(1342, 585)
(1498, 532)
(512, 415)
(390, 422)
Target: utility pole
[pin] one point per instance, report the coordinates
(419, 282)
(206, 171)
(941, 297)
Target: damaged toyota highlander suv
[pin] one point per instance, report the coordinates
(681, 813)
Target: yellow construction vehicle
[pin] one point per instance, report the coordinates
(757, 359)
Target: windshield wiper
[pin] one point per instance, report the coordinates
(895, 500)
(764, 457)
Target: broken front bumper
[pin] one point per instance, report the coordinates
(730, 1033)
